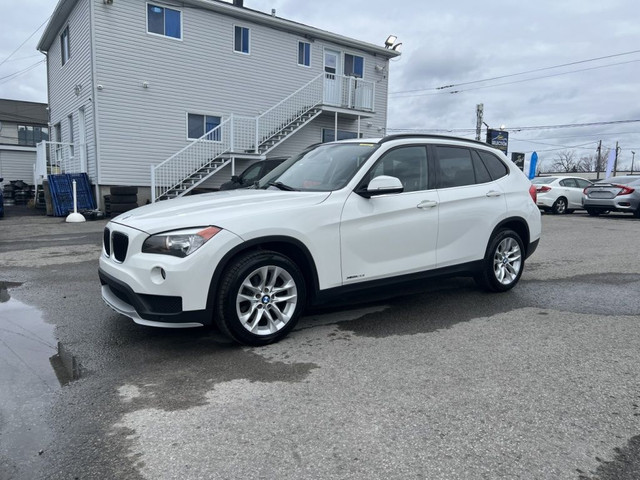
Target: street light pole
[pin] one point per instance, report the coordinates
(633, 156)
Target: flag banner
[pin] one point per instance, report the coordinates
(533, 164)
(610, 161)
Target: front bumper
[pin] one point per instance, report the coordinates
(160, 290)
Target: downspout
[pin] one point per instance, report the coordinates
(94, 99)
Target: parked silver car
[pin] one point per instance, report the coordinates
(615, 194)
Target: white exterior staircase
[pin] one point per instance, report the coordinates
(242, 136)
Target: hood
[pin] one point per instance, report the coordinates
(225, 209)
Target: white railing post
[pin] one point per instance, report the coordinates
(153, 184)
(232, 134)
(257, 134)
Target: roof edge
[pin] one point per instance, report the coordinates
(64, 7)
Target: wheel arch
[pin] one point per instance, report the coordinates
(518, 225)
(287, 246)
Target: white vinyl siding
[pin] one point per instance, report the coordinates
(17, 164)
(139, 126)
(63, 100)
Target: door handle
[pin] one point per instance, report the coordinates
(493, 193)
(427, 204)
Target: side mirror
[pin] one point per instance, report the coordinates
(236, 179)
(382, 185)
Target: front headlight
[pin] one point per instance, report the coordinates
(179, 243)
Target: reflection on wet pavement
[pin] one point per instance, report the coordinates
(28, 351)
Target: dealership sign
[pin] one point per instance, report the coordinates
(498, 139)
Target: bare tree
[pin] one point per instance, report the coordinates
(565, 161)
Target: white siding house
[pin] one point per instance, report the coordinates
(135, 88)
(22, 126)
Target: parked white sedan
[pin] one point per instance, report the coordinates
(560, 194)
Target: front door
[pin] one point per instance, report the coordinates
(332, 78)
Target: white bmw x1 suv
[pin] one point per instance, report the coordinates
(339, 217)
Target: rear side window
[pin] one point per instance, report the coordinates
(482, 174)
(496, 168)
(569, 182)
(455, 167)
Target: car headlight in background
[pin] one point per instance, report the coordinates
(179, 243)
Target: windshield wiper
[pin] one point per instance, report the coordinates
(282, 186)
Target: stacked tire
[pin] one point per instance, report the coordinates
(123, 199)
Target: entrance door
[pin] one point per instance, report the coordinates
(332, 78)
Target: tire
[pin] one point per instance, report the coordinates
(245, 306)
(123, 190)
(592, 212)
(560, 206)
(503, 262)
(118, 208)
(123, 199)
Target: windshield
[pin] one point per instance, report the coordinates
(322, 168)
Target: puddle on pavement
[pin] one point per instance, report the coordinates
(29, 348)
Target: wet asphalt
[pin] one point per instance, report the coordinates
(440, 381)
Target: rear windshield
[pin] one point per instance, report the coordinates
(543, 180)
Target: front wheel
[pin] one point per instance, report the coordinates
(503, 263)
(261, 297)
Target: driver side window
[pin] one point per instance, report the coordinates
(409, 164)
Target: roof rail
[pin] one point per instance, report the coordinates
(396, 136)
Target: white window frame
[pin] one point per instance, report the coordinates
(298, 54)
(146, 15)
(233, 41)
(191, 139)
(344, 63)
(65, 46)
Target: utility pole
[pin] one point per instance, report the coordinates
(615, 162)
(479, 114)
(633, 157)
(598, 160)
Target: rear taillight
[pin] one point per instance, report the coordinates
(585, 190)
(543, 189)
(624, 190)
(534, 194)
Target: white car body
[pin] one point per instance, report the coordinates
(342, 239)
(560, 193)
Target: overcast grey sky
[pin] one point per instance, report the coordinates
(461, 43)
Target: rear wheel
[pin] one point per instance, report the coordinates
(503, 262)
(261, 297)
(560, 206)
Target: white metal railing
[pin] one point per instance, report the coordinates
(59, 157)
(245, 134)
(288, 110)
(349, 92)
(198, 154)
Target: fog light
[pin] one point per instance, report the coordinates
(158, 275)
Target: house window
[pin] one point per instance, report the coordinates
(328, 135)
(198, 125)
(241, 40)
(353, 65)
(30, 136)
(304, 54)
(64, 45)
(164, 21)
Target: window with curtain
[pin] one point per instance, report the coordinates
(198, 125)
(241, 39)
(65, 52)
(164, 21)
(304, 54)
(353, 65)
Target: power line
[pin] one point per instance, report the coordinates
(519, 81)
(517, 129)
(22, 44)
(516, 74)
(16, 74)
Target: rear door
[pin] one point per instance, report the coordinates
(471, 203)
